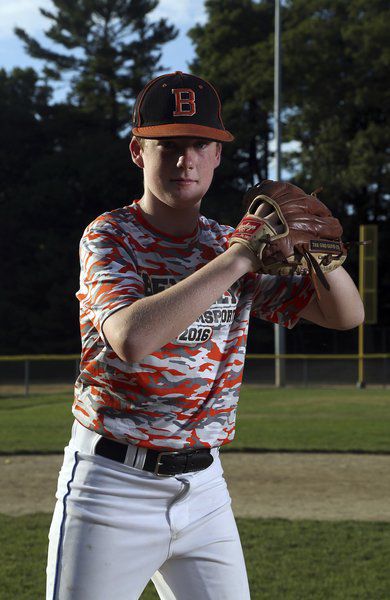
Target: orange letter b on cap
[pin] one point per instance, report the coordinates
(184, 102)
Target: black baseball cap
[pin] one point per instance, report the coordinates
(179, 105)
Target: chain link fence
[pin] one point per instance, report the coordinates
(48, 373)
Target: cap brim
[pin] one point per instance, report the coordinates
(183, 130)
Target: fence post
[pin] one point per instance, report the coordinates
(384, 360)
(305, 373)
(26, 377)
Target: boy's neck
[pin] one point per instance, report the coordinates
(173, 221)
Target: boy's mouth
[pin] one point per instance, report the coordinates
(183, 180)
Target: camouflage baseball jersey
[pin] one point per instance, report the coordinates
(184, 394)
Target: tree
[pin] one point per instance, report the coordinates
(234, 50)
(339, 101)
(65, 163)
(113, 50)
(22, 107)
(335, 100)
(336, 59)
(59, 171)
(23, 101)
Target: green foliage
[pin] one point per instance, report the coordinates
(335, 96)
(339, 100)
(234, 51)
(305, 560)
(339, 105)
(112, 47)
(268, 419)
(23, 102)
(62, 168)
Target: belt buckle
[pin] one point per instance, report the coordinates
(159, 464)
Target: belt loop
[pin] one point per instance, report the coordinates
(135, 456)
(140, 456)
(130, 456)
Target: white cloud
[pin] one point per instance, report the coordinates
(182, 13)
(25, 13)
(22, 13)
(177, 54)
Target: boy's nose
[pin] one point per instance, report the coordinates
(185, 160)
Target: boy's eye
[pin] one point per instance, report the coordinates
(166, 144)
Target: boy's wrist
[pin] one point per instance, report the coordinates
(243, 257)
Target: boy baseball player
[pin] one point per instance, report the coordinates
(164, 311)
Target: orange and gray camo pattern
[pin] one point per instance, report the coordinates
(184, 394)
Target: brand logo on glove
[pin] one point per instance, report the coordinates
(325, 246)
(248, 227)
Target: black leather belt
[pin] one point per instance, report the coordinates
(162, 463)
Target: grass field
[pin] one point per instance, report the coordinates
(286, 560)
(288, 419)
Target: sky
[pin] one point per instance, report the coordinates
(184, 14)
(177, 54)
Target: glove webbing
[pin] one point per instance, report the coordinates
(315, 272)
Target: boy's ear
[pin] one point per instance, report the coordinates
(218, 153)
(136, 152)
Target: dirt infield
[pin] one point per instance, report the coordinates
(276, 485)
(310, 486)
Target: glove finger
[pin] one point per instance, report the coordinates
(273, 220)
(328, 227)
(263, 210)
(292, 198)
(307, 204)
(268, 213)
(316, 207)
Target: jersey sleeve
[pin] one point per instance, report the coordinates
(108, 273)
(280, 299)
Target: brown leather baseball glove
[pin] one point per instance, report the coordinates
(290, 231)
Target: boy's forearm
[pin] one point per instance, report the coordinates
(153, 321)
(340, 307)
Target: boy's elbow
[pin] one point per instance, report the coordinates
(126, 346)
(128, 350)
(133, 355)
(352, 320)
(359, 316)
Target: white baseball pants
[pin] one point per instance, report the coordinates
(116, 527)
